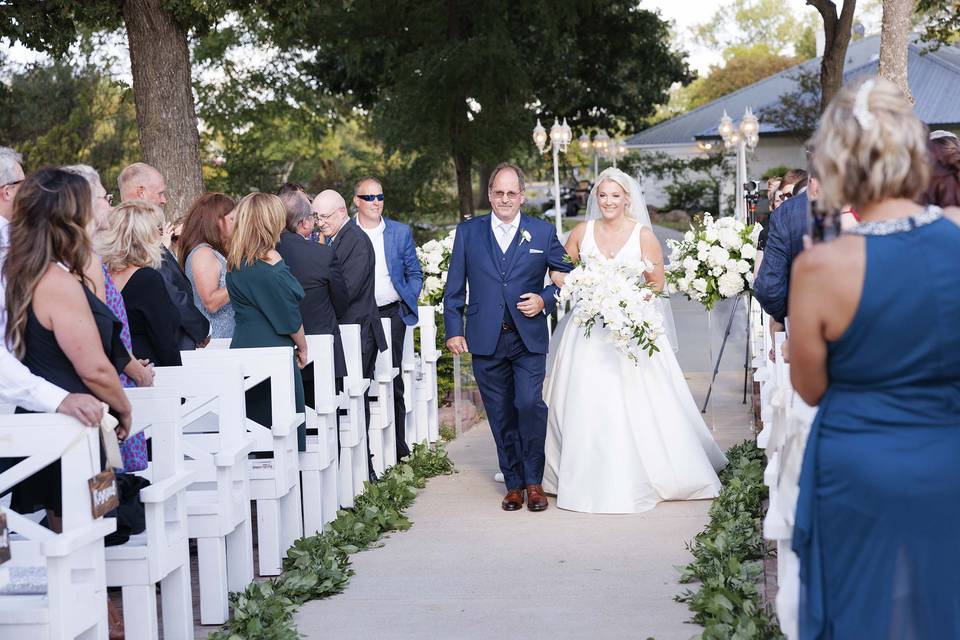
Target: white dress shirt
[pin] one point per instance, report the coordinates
(504, 231)
(384, 291)
(17, 385)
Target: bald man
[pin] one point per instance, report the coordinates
(140, 181)
(355, 254)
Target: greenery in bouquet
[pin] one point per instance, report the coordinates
(618, 298)
(714, 260)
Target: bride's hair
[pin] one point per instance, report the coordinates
(622, 180)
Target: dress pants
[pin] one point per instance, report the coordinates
(398, 331)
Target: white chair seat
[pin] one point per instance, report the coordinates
(26, 610)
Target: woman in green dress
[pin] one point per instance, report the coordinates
(265, 296)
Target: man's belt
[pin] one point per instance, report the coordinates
(388, 308)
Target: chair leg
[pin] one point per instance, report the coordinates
(331, 495)
(212, 570)
(311, 484)
(346, 477)
(177, 597)
(291, 518)
(268, 537)
(140, 612)
(240, 556)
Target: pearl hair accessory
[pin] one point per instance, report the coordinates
(861, 105)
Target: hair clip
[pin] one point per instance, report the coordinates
(861, 105)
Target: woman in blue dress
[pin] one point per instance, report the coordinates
(875, 341)
(265, 296)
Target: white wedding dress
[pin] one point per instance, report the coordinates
(622, 436)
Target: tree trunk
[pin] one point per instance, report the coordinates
(464, 183)
(894, 43)
(837, 31)
(485, 171)
(163, 94)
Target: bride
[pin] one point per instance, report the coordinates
(621, 436)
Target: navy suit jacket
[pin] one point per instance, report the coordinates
(788, 225)
(193, 326)
(403, 265)
(476, 261)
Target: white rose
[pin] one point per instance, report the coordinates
(432, 246)
(690, 263)
(730, 239)
(699, 284)
(433, 284)
(748, 251)
(730, 284)
(702, 245)
(730, 265)
(727, 222)
(718, 256)
(711, 234)
(689, 236)
(743, 266)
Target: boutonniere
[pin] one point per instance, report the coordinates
(524, 236)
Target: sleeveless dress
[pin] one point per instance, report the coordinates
(221, 320)
(877, 528)
(45, 358)
(622, 436)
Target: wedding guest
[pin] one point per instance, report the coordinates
(265, 295)
(355, 253)
(944, 189)
(398, 279)
(131, 251)
(18, 386)
(316, 268)
(55, 325)
(140, 181)
(204, 239)
(137, 373)
(773, 184)
(874, 343)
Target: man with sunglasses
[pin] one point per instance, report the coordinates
(398, 279)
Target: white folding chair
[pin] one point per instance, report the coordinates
(319, 464)
(353, 425)
(65, 595)
(161, 553)
(274, 480)
(381, 432)
(427, 402)
(408, 369)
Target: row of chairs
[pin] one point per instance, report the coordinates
(208, 461)
(786, 421)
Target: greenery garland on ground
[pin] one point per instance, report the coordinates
(319, 566)
(728, 556)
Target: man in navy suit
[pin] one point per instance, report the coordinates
(788, 224)
(504, 258)
(398, 278)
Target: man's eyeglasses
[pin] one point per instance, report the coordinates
(508, 195)
(108, 197)
(324, 216)
(371, 197)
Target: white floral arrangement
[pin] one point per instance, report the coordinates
(714, 260)
(618, 298)
(434, 258)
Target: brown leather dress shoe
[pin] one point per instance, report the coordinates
(536, 498)
(513, 501)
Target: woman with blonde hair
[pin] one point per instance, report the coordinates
(206, 233)
(264, 294)
(622, 436)
(131, 251)
(873, 342)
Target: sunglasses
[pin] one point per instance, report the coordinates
(372, 197)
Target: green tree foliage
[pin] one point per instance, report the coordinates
(58, 113)
(756, 24)
(462, 80)
(941, 20)
(798, 111)
(742, 69)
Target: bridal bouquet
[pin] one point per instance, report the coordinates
(617, 297)
(434, 258)
(714, 260)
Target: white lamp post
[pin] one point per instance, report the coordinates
(742, 137)
(560, 138)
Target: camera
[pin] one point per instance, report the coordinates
(753, 186)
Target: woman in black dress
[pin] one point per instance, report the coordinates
(55, 324)
(131, 250)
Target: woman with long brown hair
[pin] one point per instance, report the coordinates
(265, 295)
(207, 229)
(944, 188)
(55, 324)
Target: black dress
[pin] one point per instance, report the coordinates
(45, 358)
(154, 319)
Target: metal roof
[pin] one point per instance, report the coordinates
(934, 78)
